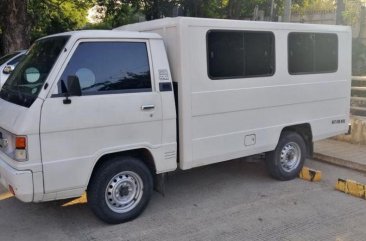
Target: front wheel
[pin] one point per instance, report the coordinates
(287, 160)
(120, 189)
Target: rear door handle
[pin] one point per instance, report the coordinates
(147, 107)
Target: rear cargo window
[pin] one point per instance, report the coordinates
(240, 54)
(109, 67)
(311, 53)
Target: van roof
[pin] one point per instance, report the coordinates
(232, 24)
(107, 34)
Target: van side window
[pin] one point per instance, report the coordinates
(109, 67)
(240, 54)
(310, 53)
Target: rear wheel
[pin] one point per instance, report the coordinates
(286, 161)
(120, 189)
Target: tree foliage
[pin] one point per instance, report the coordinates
(13, 25)
(120, 12)
(352, 14)
(37, 18)
(313, 6)
(55, 16)
(43, 17)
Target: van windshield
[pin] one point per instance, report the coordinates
(27, 79)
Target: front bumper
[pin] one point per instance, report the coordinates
(21, 181)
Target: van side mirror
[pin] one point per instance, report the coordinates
(8, 69)
(73, 88)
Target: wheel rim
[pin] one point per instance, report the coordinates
(290, 156)
(124, 192)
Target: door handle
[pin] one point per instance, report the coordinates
(147, 107)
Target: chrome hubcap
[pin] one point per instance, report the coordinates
(124, 191)
(290, 156)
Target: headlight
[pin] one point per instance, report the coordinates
(16, 147)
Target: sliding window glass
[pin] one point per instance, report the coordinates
(240, 54)
(311, 53)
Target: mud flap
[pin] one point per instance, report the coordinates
(160, 183)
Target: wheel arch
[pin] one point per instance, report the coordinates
(306, 133)
(142, 154)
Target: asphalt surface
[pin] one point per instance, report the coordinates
(236, 200)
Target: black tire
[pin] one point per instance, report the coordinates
(134, 173)
(285, 172)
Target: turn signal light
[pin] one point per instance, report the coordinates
(20, 142)
(20, 152)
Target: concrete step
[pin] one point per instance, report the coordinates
(358, 91)
(358, 101)
(358, 81)
(341, 153)
(359, 111)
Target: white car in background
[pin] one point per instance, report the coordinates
(8, 63)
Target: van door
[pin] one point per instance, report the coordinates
(119, 109)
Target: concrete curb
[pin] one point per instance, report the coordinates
(351, 187)
(340, 162)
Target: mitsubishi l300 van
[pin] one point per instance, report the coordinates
(110, 112)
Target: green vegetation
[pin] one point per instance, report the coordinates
(306, 6)
(358, 58)
(21, 22)
(55, 16)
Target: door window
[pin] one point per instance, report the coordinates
(109, 67)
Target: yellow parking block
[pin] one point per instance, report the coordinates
(310, 174)
(351, 187)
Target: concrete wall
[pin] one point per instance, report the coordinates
(358, 135)
(315, 17)
(329, 17)
(362, 32)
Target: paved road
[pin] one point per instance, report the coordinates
(228, 201)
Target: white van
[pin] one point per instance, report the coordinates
(109, 112)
